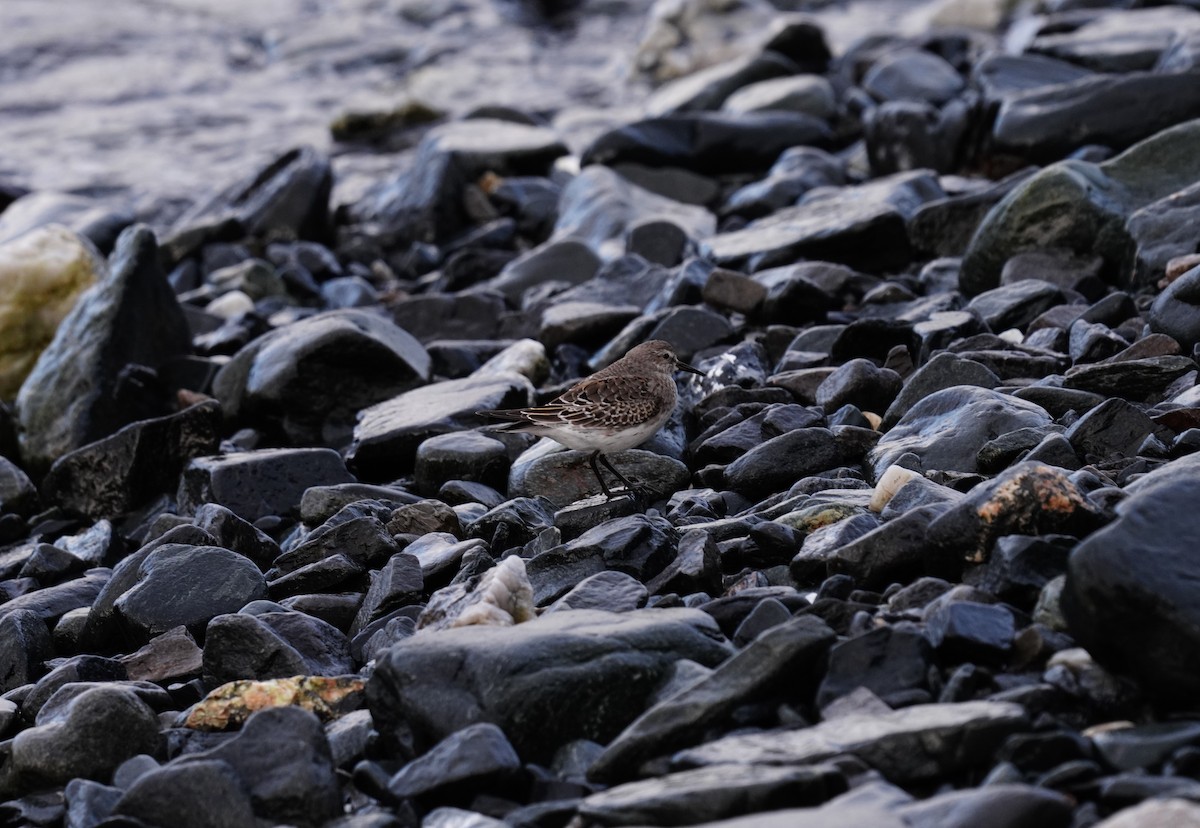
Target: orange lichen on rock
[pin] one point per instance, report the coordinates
(231, 704)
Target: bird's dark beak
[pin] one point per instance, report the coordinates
(683, 366)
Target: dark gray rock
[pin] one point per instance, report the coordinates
(88, 738)
(1020, 566)
(798, 170)
(944, 370)
(1132, 379)
(288, 198)
(1119, 40)
(564, 477)
(912, 74)
(966, 630)
(860, 383)
(604, 666)
(1015, 305)
(254, 484)
(426, 202)
(195, 794)
(514, 522)
(75, 393)
(89, 803)
(1127, 596)
(231, 532)
(891, 663)
(891, 552)
(1158, 230)
(561, 260)
(601, 208)
(862, 226)
(728, 439)
(388, 434)
(354, 532)
(1144, 746)
(781, 461)
(1112, 430)
(991, 806)
(919, 742)
(282, 756)
(482, 314)
(273, 645)
(24, 645)
(477, 758)
(1174, 310)
(695, 568)
(18, 495)
(707, 142)
(1081, 207)
(946, 429)
(712, 793)
(53, 602)
(1047, 124)
(217, 581)
(309, 379)
(708, 88)
(639, 546)
(610, 591)
(399, 583)
(466, 455)
(790, 649)
(115, 474)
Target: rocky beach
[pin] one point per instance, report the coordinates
(917, 548)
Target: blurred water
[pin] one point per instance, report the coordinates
(155, 102)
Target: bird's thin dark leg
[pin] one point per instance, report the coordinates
(632, 489)
(596, 470)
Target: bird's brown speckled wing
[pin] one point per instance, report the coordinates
(604, 403)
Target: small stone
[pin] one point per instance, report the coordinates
(231, 704)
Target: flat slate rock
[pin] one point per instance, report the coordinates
(569, 675)
(255, 484)
(905, 745)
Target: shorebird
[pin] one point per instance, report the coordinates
(616, 408)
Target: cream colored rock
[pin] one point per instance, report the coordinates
(1156, 813)
(502, 597)
(526, 357)
(684, 36)
(42, 274)
(890, 482)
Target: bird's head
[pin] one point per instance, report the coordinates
(660, 353)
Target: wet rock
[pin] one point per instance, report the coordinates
(696, 567)
(965, 630)
(44, 272)
(288, 198)
(25, 645)
(806, 94)
(904, 745)
(1173, 311)
(944, 370)
(637, 545)
(388, 433)
(912, 74)
(1144, 746)
(461, 456)
(309, 379)
(1015, 305)
(426, 202)
(789, 649)
(195, 794)
(798, 170)
(1126, 595)
(863, 227)
(1113, 429)
(231, 532)
(888, 553)
(231, 704)
(891, 663)
(781, 461)
(728, 439)
(273, 645)
(1020, 566)
(1086, 204)
(710, 793)
(610, 591)
(1119, 40)
(400, 582)
(564, 477)
(604, 666)
(994, 806)
(254, 484)
(87, 738)
(172, 656)
(116, 474)
(75, 393)
(283, 758)
(861, 383)
(477, 758)
(946, 429)
(709, 88)
(1025, 499)
(476, 315)
(53, 602)
(218, 580)
(18, 495)
(1132, 379)
(707, 142)
(514, 522)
